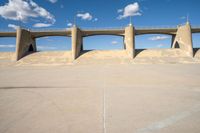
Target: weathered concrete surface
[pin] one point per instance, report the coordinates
(183, 39)
(77, 42)
(129, 40)
(82, 98)
(25, 43)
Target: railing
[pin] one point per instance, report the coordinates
(99, 28)
(52, 29)
(155, 27)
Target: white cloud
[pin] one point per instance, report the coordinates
(120, 10)
(114, 42)
(156, 38)
(53, 1)
(39, 25)
(130, 10)
(95, 19)
(69, 24)
(7, 46)
(160, 45)
(85, 16)
(13, 26)
(183, 17)
(46, 48)
(22, 10)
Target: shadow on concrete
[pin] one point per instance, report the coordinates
(84, 52)
(29, 53)
(138, 51)
(196, 50)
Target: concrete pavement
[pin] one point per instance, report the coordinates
(128, 98)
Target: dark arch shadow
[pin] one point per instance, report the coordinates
(30, 49)
(195, 50)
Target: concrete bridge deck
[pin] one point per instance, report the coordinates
(118, 32)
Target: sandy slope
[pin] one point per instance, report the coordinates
(150, 56)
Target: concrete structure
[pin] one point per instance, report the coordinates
(129, 41)
(77, 42)
(25, 39)
(25, 43)
(183, 39)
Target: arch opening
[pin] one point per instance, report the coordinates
(196, 44)
(103, 42)
(153, 41)
(7, 44)
(196, 40)
(53, 43)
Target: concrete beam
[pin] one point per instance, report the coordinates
(77, 42)
(183, 39)
(8, 34)
(129, 41)
(24, 43)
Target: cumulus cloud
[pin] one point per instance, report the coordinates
(53, 1)
(183, 17)
(22, 10)
(114, 42)
(69, 24)
(13, 26)
(120, 10)
(7, 46)
(95, 19)
(129, 10)
(160, 45)
(156, 38)
(39, 25)
(85, 16)
(46, 48)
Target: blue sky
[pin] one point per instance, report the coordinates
(53, 14)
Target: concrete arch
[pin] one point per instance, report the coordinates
(154, 41)
(50, 43)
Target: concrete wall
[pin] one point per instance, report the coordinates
(129, 40)
(24, 42)
(183, 39)
(77, 42)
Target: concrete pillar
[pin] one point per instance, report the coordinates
(25, 43)
(183, 39)
(77, 41)
(130, 41)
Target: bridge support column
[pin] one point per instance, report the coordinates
(77, 41)
(129, 41)
(25, 43)
(183, 39)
